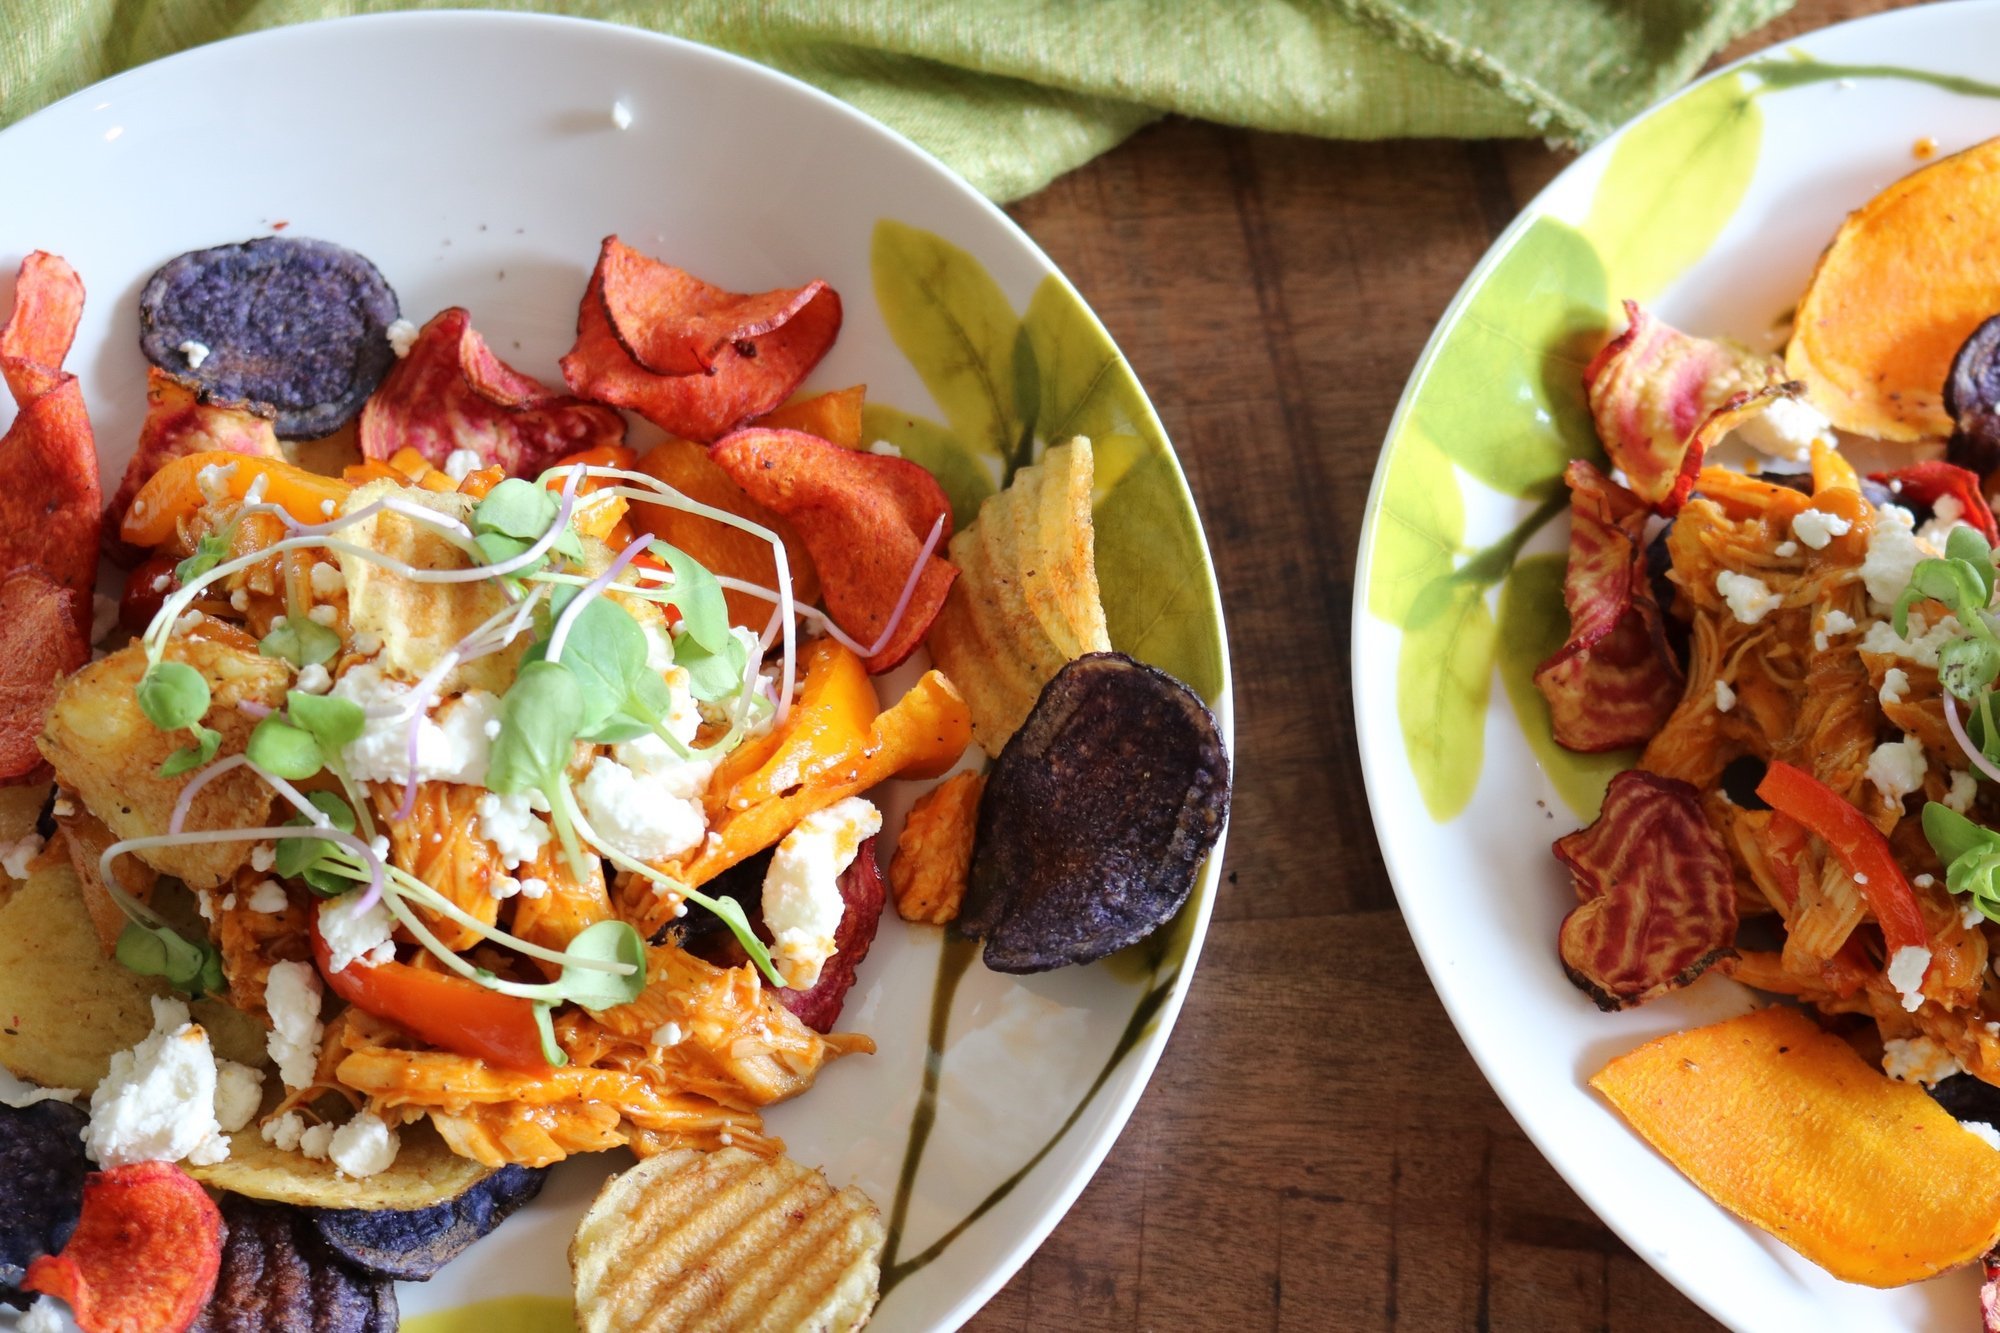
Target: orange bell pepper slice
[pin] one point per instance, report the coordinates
(830, 721)
(360, 474)
(448, 1011)
(174, 493)
(1831, 472)
(1786, 1127)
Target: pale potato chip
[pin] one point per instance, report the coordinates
(20, 808)
(66, 1009)
(726, 1241)
(424, 1173)
(1026, 599)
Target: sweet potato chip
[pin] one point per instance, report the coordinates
(1615, 681)
(1656, 893)
(144, 1255)
(451, 392)
(40, 643)
(1651, 387)
(723, 550)
(50, 500)
(179, 423)
(673, 323)
(1786, 1127)
(833, 416)
(1932, 480)
(864, 517)
(745, 379)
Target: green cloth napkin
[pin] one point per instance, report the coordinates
(1012, 93)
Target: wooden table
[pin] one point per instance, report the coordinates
(1317, 1150)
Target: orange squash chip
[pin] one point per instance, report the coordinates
(619, 327)
(1786, 1127)
(864, 517)
(179, 423)
(834, 416)
(451, 392)
(144, 1255)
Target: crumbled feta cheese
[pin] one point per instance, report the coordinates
(284, 1132)
(326, 579)
(188, 621)
(157, 1102)
(1897, 768)
(213, 481)
(292, 996)
(1970, 916)
(64, 807)
(1786, 429)
(1924, 881)
(667, 1034)
(351, 934)
(364, 1146)
(638, 814)
(621, 115)
(15, 856)
(402, 337)
(240, 599)
(1785, 550)
(492, 728)
(1725, 698)
(511, 825)
(1893, 552)
(42, 1317)
(269, 897)
(502, 886)
(1963, 788)
(1895, 684)
(1906, 973)
(802, 900)
(323, 614)
(886, 449)
(462, 463)
(379, 844)
(195, 352)
(1920, 647)
(1816, 527)
(313, 679)
(228, 902)
(239, 1091)
(532, 888)
(452, 745)
(1836, 623)
(1749, 598)
(1946, 514)
(1918, 1060)
(366, 642)
(317, 1142)
(1979, 1129)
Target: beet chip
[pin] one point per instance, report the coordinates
(144, 1255)
(179, 423)
(42, 1167)
(50, 501)
(864, 518)
(1657, 893)
(639, 315)
(451, 393)
(277, 1273)
(1933, 480)
(1615, 682)
(39, 644)
(861, 887)
(1652, 387)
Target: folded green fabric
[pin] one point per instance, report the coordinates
(1012, 93)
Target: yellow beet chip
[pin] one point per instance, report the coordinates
(1786, 1127)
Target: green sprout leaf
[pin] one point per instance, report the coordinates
(160, 951)
(207, 740)
(1971, 855)
(334, 722)
(605, 942)
(698, 597)
(516, 508)
(290, 752)
(732, 916)
(172, 695)
(311, 859)
(1967, 667)
(209, 552)
(712, 675)
(301, 642)
(539, 718)
(1967, 544)
(545, 1025)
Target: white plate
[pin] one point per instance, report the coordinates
(473, 157)
(1780, 154)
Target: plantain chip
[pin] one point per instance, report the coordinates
(1026, 601)
(726, 1241)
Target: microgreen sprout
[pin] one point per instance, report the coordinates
(1963, 579)
(1971, 856)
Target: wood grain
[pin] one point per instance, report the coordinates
(1273, 293)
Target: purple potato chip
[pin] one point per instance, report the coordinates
(42, 1167)
(411, 1246)
(278, 1274)
(284, 323)
(1095, 818)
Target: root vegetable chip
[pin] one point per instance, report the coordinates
(637, 318)
(412, 1245)
(721, 549)
(276, 1273)
(1615, 681)
(40, 644)
(144, 1255)
(1656, 893)
(50, 500)
(295, 324)
(1932, 480)
(864, 517)
(42, 1168)
(933, 856)
(834, 416)
(1651, 387)
(179, 423)
(1786, 1127)
(818, 1006)
(451, 392)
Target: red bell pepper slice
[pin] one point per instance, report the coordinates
(1862, 850)
(447, 1011)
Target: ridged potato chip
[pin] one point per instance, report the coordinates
(726, 1241)
(1026, 600)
